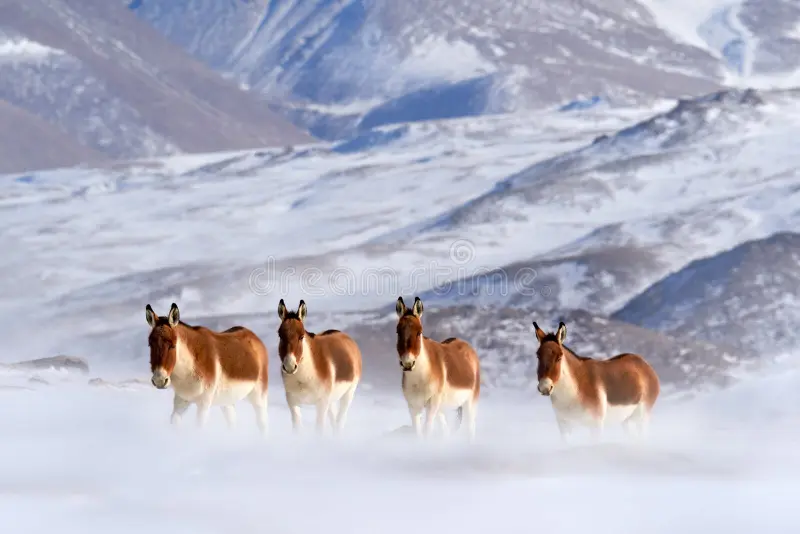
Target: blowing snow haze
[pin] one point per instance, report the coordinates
(627, 167)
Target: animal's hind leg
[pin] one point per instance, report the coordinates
(258, 399)
(344, 407)
(471, 413)
(203, 407)
(445, 427)
(230, 415)
(332, 413)
(636, 424)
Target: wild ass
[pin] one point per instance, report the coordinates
(317, 369)
(436, 374)
(593, 392)
(207, 368)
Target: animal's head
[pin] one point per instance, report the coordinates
(291, 334)
(409, 333)
(550, 356)
(163, 342)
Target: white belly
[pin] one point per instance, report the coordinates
(617, 414)
(572, 412)
(453, 398)
(232, 391)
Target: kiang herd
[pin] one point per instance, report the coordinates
(209, 368)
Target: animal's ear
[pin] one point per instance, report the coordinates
(561, 333)
(400, 307)
(150, 315)
(174, 315)
(417, 307)
(302, 310)
(540, 334)
(281, 309)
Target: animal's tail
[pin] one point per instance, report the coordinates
(459, 417)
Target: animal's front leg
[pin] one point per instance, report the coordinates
(431, 413)
(179, 407)
(294, 409)
(565, 427)
(416, 418)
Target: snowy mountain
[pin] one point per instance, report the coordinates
(96, 83)
(347, 65)
(596, 224)
(747, 296)
(545, 215)
(495, 221)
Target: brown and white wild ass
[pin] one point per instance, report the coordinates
(589, 392)
(436, 375)
(317, 369)
(207, 368)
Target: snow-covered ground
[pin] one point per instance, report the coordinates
(87, 249)
(78, 458)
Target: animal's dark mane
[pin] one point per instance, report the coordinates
(165, 320)
(553, 338)
(328, 332)
(311, 335)
(576, 354)
(291, 315)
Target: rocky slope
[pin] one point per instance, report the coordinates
(350, 64)
(746, 297)
(87, 81)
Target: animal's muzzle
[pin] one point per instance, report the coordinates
(545, 386)
(160, 382)
(289, 365)
(408, 365)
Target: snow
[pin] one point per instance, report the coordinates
(91, 247)
(714, 26)
(795, 33)
(437, 59)
(182, 212)
(684, 18)
(103, 459)
(21, 49)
